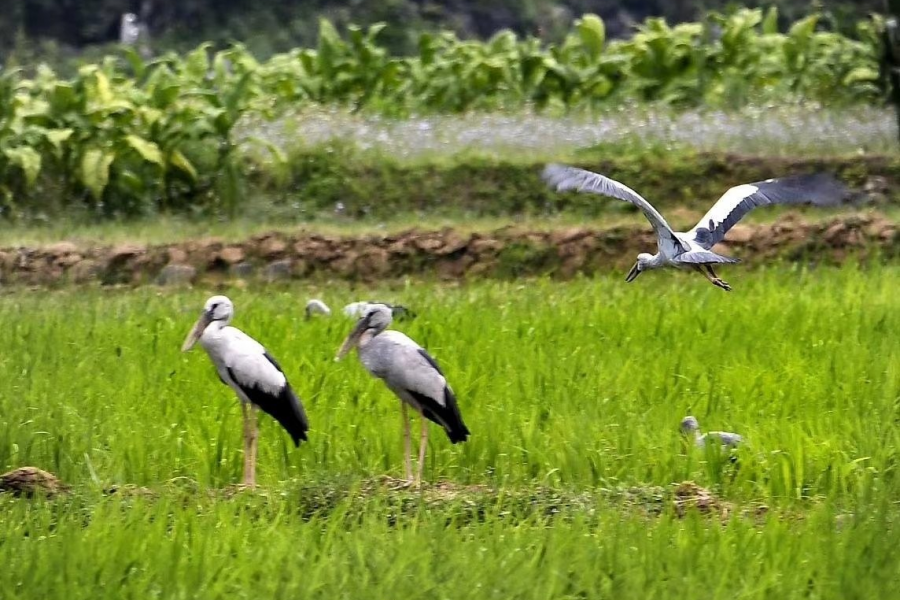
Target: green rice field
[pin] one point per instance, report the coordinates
(573, 392)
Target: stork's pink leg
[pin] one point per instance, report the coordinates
(254, 439)
(407, 446)
(245, 411)
(423, 444)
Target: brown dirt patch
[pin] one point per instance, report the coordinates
(30, 482)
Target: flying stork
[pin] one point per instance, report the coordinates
(693, 249)
(244, 365)
(411, 373)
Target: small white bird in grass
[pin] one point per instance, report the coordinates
(693, 249)
(411, 373)
(244, 365)
(317, 307)
(690, 427)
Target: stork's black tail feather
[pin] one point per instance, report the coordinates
(286, 409)
(447, 416)
(453, 423)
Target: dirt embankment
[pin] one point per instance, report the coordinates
(445, 254)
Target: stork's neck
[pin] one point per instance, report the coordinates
(368, 335)
(656, 261)
(213, 330)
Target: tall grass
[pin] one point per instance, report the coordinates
(575, 387)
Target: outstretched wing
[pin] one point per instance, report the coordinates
(820, 189)
(563, 178)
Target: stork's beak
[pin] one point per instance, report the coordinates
(353, 338)
(633, 273)
(196, 331)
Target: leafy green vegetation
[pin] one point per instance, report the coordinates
(573, 392)
(59, 28)
(126, 137)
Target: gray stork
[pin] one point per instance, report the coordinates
(411, 373)
(354, 310)
(244, 365)
(690, 427)
(693, 249)
(357, 309)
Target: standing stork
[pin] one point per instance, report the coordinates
(693, 249)
(411, 373)
(244, 365)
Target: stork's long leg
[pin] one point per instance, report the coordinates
(245, 412)
(717, 281)
(711, 276)
(254, 443)
(407, 446)
(423, 444)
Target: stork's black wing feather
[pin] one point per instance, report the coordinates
(284, 406)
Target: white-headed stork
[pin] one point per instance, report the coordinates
(693, 249)
(244, 365)
(411, 373)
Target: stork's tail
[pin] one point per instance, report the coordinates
(452, 419)
(290, 415)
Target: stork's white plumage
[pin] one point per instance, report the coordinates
(411, 373)
(258, 380)
(693, 249)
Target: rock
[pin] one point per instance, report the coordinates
(123, 251)
(568, 235)
(428, 243)
(373, 262)
(482, 245)
(177, 255)
(31, 481)
(68, 260)
(834, 231)
(453, 244)
(740, 234)
(84, 271)
(176, 275)
(272, 247)
(61, 249)
(232, 255)
(241, 270)
(278, 270)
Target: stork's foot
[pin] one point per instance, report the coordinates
(722, 284)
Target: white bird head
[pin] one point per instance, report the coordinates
(216, 309)
(689, 425)
(644, 262)
(375, 319)
(317, 307)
